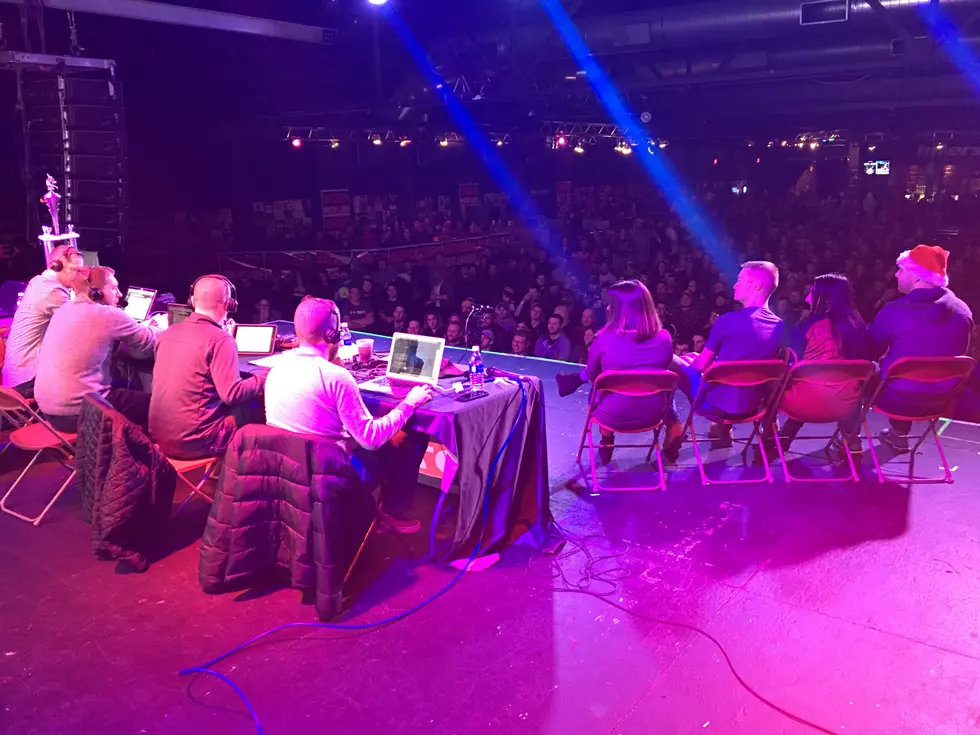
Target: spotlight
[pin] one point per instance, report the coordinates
(377, 2)
(500, 143)
(561, 142)
(662, 144)
(800, 144)
(939, 146)
(376, 141)
(814, 145)
(758, 160)
(783, 143)
(770, 144)
(405, 142)
(335, 144)
(296, 143)
(871, 147)
(578, 148)
(444, 143)
(714, 162)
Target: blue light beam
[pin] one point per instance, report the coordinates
(657, 165)
(948, 37)
(471, 131)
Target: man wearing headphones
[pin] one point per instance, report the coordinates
(76, 352)
(45, 294)
(310, 393)
(199, 398)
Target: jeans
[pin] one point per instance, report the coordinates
(394, 468)
(133, 404)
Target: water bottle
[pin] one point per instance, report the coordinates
(346, 338)
(476, 369)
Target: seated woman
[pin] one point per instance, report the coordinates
(433, 324)
(833, 331)
(632, 339)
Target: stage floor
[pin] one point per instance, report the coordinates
(853, 605)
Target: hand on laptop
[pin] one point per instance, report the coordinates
(418, 396)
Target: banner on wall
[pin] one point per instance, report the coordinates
(469, 196)
(336, 209)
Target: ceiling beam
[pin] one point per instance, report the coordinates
(182, 15)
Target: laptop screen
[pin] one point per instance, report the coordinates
(139, 301)
(255, 339)
(416, 358)
(176, 313)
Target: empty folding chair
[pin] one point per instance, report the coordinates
(765, 377)
(928, 407)
(36, 436)
(635, 384)
(824, 392)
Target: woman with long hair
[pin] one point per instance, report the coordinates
(834, 330)
(432, 327)
(632, 339)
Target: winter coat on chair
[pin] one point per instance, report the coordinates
(290, 502)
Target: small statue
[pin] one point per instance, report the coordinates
(53, 201)
(51, 235)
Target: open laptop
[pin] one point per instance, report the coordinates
(139, 301)
(413, 360)
(176, 313)
(255, 339)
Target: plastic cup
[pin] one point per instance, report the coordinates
(365, 350)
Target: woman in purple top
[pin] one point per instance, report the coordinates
(632, 339)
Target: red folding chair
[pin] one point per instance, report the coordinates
(926, 370)
(804, 398)
(636, 384)
(759, 374)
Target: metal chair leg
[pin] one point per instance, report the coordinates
(360, 550)
(585, 432)
(37, 521)
(436, 515)
(3, 500)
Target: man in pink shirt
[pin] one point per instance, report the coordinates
(308, 392)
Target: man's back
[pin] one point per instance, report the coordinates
(42, 297)
(927, 322)
(196, 383)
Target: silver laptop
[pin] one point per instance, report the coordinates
(255, 339)
(413, 360)
(139, 301)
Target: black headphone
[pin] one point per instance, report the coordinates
(231, 304)
(58, 264)
(332, 336)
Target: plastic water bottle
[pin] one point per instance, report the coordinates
(346, 338)
(476, 369)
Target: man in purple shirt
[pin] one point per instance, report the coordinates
(554, 345)
(199, 398)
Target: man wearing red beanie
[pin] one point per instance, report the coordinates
(928, 321)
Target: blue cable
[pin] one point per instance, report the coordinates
(206, 667)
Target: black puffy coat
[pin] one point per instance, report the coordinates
(285, 501)
(125, 483)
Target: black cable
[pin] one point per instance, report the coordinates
(589, 574)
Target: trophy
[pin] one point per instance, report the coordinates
(51, 236)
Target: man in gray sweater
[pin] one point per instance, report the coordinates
(45, 294)
(76, 353)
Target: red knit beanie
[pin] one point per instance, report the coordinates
(927, 263)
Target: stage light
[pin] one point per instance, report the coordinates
(662, 144)
(939, 146)
(871, 147)
(405, 142)
(500, 143)
(561, 142)
(800, 144)
(376, 141)
(377, 2)
(335, 144)
(444, 143)
(578, 148)
(814, 145)
(296, 143)
(783, 143)
(758, 160)
(714, 162)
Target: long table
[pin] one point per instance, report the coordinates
(474, 434)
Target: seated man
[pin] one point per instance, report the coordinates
(928, 321)
(76, 353)
(554, 345)
(750, 333)
(199, 398)
(309, 393)
(44, 294)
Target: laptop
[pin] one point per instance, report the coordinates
(176, 313)
(255, 339)
(413, 360)
(11, 292)
(139, 301)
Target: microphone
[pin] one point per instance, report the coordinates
(495, 372)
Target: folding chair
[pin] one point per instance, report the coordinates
(926, 370)
(758, 374)
(184, 467)
(37, 435)
(804, 398)
(635, 384)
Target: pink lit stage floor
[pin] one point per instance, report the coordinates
(853, 605)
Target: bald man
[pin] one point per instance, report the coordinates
(199, 398)
(309, 393)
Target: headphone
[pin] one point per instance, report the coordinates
(332, 337)
(231, 304)
(95, 292)
(58, 264)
